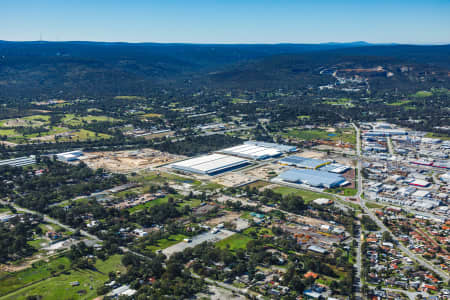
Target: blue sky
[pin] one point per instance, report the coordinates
(227, 21)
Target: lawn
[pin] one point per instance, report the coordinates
(161, 177)
(343, 191)
(423, 94)
(149, 204)
(129, 98)
(29, 121)
(399, 103)
(164, 243)
(308, 196)
(152, 115)
(75, 120)
(59, 287)
(40, 270)
(236, 241)
(341, 101)
(441, 136)
(83, 135)
(373, 205)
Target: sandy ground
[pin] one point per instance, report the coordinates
(218, 293)
(9, 144)
(22, 123)
(129, 161)
(233, 179)
(263, 172)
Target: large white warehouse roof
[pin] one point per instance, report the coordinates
(209, 164)
(252, 151)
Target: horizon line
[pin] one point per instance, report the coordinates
(234, 43)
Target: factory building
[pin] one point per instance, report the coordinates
(335, 168)
(303, 162)
(69, 156)
(210, 164)
(279, 147)
(19, 162)
(252, 152)
(315, 178)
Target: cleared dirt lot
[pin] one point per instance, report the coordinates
(233, 179)
(197, 240)
(130, 160)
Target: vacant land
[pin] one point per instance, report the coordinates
(40, 270)
(399, 103)
(236, 241)
(59, 287)
(344, 135)
(30, 121)
(75, 120)
(164, 243)
(308, 196)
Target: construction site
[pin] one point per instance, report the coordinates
(129, 160)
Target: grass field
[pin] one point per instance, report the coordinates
(59, 287)
(399, 103)
(236, 241)
(423, 94)
(341, 101)
(152, 115)
(161, 177)
(307, 196)
(129, 98)
(41, 270)
(373, 205)
(83, 135)
(342, 191)
(149, 204)
(346, 135)
(438, 136)
(30, 121)
(164, 243)
(74, 120)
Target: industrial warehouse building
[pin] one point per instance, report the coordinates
(19, 162)
(70, 156)
(303, 162)
(210, 164)
(315, 178)
(252, 152)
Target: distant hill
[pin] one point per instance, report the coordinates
(409, 68)
(73, 69)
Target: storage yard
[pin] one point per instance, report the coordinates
(129, 161)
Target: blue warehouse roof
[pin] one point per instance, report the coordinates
(313, 177)
(303, 162)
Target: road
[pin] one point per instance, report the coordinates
(230, 287)
(380, 224)
(50, 220)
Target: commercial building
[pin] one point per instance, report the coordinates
(334, 168)
(19, 162)
(252, 152)
(419, 183)
(313, 178)
(210, 164)
(69, 156)
(303, 162)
